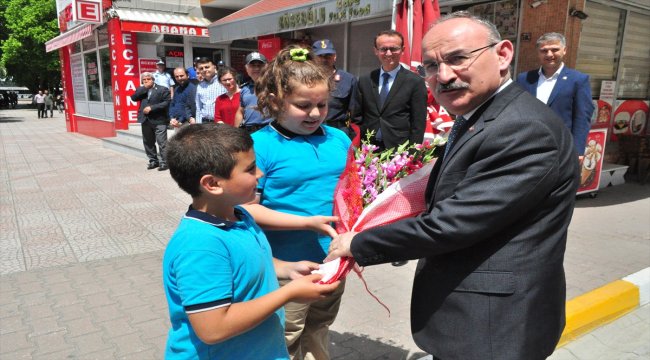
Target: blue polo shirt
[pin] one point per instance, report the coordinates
(248, 101)
(300, 174)
(211, 263)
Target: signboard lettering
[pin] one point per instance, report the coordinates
(88, 11)
(165, 29)
(123, 55)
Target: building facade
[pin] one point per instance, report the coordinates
(101, 61)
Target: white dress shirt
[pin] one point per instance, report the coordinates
(545, 85)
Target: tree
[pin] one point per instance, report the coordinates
(27, 25)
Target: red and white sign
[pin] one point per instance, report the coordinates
(65, 17)
(602, 117)
(124, 73)
(88, 11)
(148, 65)
(269, 46)
(591, 166)
(165, 28)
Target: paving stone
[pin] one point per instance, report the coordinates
(14, 341)
(65, 353)
(90, 346)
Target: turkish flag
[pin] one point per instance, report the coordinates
(413, 18)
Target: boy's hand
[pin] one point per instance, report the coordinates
(307, 289)
(293, 270)
(340, 246)
(321, 224)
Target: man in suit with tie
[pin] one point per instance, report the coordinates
(490, 279)
(392, 101)
(566, 91)
(153, 118)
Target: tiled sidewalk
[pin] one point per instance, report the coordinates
(82, 229)
(66, 199)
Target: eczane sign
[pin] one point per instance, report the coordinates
(88, 11)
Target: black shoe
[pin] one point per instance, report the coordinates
(163, 167)
(399, 263)
(152, 166)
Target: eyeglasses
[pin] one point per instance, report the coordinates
(392, 49)
(455, 61)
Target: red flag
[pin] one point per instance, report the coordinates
(413, 22)
(413, 18)
(430, 13)
(416, 35)
(402, 26)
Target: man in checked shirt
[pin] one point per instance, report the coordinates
(207, 91)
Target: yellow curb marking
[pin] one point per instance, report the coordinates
(598, 307)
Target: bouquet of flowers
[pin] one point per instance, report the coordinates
(378, 188)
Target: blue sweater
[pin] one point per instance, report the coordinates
(183, 105)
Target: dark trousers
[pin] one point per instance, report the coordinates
(40, 107)
(152, 134)
(51, 108)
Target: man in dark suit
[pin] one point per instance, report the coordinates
(153, 117)
(566, 91)
(392, 101)
(490, 280)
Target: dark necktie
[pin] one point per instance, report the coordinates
(383, 94)
(455, 129)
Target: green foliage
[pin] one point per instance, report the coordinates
(26, 25)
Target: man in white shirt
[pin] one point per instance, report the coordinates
(162, 78)
(566, 91)
(39, 99)
(207, 91)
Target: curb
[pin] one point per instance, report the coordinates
(605, 304)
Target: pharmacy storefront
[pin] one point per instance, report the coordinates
(103, 50)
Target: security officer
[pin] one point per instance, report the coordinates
(248, 117)
(341, 101)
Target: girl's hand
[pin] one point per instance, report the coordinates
(307, 289)
(321, 224)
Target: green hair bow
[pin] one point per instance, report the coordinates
(298, 54)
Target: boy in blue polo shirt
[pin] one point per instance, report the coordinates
(218, 271)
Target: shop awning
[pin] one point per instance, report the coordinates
(69, 37)
(276, 16)
(159, 22)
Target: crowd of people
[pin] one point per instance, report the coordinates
(261, 172)
(8, 99)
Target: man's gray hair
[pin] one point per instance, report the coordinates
(146, 74)
(493, 33)
(551, 36)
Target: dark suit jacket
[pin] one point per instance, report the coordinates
(490, 281)
(404, 112)
(159, 102)
(570, 99)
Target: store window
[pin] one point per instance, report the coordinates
(92, 76)
(634, 69)
(362, 60)
(102, 36)
(105, 65)
(89, 43)
(503, 14)
(600, 43)
(76, 47)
